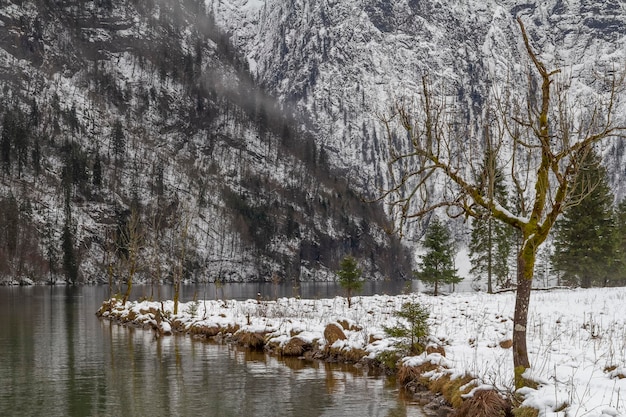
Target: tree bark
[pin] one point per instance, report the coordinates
(525, 266)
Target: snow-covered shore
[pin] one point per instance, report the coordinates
(576, 338)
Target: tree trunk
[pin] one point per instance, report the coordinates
(489, 255)
(176, 294)
(525, 266)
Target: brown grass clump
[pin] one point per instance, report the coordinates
(348, 355)
(131, 316)
(178, 325)
(373, 338)
(332, 333)
(525, 412)
(506, 344)
(346, 326)
(436, 385)
(354, 355)
(614, 372)
(295, 347)
(485, 403)
(107, 306)
(251, 340)
(230, 329)
(450, 388)
(408, 374)
(436, 349)
(204, 330)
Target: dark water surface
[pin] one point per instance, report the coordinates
(58, 359)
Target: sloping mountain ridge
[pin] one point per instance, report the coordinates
(345, 62)
(134, 141)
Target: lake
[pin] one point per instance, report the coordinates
(58, 359)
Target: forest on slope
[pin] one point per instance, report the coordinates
(134, 141)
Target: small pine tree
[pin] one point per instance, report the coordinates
(618, 276)
(584, 243)
(350, 277)
(416, 328)
(70, 263)
(97, 171)
(118, 140)
(437, 264)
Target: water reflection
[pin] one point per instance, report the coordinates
(58, 359)
(268, 290)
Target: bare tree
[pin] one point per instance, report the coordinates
(541, 139)
(182, 228)
(133, 239)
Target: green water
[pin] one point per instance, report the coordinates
(58, 359)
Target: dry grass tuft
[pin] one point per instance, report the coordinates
(354, 355)
(332, 333)
(347, 355)
(251, 340)
(107, 306)
(506, 344)
(436, 385)
(178, 325)
(230, 329)
(614, 372)
(204, 330)
(131, 316)
(525, 412)
(346, 326)
(450, 388)
(408, 374)
(453, 393)
(295, 347)
(436, 349)
(486, 403)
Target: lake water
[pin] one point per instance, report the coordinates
(58, 359)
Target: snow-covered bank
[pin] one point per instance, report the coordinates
(576, 338)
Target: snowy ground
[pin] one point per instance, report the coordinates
(576, 338)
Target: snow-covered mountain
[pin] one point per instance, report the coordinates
(114, 111)
(244, 132)
(344, 62)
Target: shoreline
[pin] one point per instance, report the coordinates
(576, 341)
(148, 316)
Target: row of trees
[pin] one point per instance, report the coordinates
(543, 135)
(589, 241)
(590, 238)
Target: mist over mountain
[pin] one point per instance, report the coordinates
(238, 137)
(139, 122)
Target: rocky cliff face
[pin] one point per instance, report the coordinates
(344, 62)
(243, 133)
(134, 139)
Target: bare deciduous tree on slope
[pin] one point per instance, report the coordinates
(541, 138)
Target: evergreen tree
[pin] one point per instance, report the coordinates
(36, 156)
(350, 277)
(490, 244)
(97, 171)
(585, 244)
(5, 144)
(437, 264)
(619, 270)
(118, 141)
(70, 263)
(415, 330)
